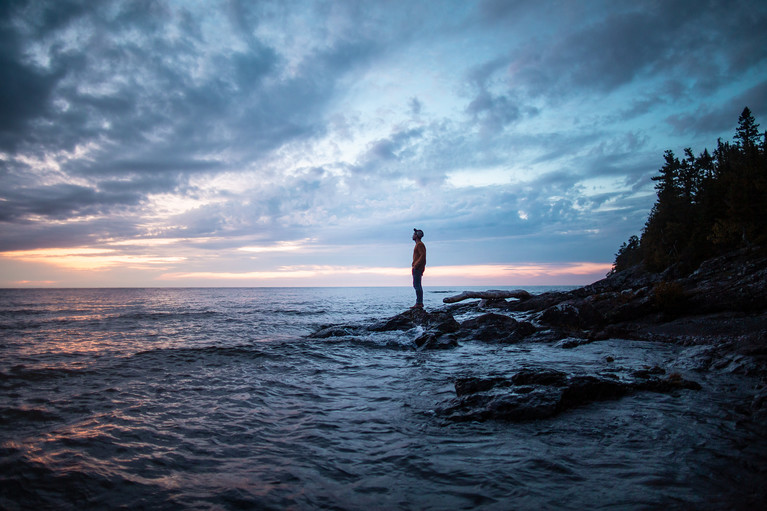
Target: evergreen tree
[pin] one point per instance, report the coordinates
(629, 254)
(706, 205)
(747, 133)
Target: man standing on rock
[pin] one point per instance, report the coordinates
(419, 265)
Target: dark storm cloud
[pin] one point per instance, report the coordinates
(715, 119)
(35, 235)
(63, 201)
(24, 89)
(141, 84)
(603, 49)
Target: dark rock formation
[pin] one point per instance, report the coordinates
(495, 328)
(721, 308)
(441, 330)
(435, 341)
(436, 326)
(542, 393)
(438, 322)
(723, 302)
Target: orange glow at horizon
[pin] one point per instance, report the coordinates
(84, 258)
(163, 268)
(499, 271)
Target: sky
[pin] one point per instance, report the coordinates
(299, 143)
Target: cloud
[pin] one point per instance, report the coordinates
(712, 120)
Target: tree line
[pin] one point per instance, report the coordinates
(707, 204)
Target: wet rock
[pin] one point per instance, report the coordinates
(532, 394)
(524, 404)
(539, 302)
(435, 341)
(647, 372)
(582, 390)
(734, 281)
(572, 315)
(441, 322)
(674, 381)
(759, 402)
(465, 386)
(540, 377)
(572, 342)
(492, 327)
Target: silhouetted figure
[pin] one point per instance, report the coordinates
(419, 265)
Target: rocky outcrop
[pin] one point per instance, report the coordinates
(724, 300)
(720, 311)
(496, 328)
(440, 329)
(533, 394)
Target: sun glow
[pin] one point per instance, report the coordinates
(497, 274)
(84, 258)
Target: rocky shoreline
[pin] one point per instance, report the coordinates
(721, 308)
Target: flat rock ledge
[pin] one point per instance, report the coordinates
(533, 394)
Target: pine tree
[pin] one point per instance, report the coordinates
(706, 205)
(747, 133)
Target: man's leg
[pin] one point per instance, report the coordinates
(418, 288)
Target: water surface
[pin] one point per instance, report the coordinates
(216, 399)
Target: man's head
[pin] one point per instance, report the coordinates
(417, 234)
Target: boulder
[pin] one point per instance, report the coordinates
(492, 327)
(435, 341)
(442, 322)
(532, 394)
(572, 315)
(524, 405)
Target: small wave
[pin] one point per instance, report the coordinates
(144, 315)
(248, 351)
(297, 312)
(20, 374)
(14, 415)
(38, 486)
(377, 340)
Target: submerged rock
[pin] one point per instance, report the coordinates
(337, 331)
(435, 341)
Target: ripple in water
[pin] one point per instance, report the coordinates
(214, 398)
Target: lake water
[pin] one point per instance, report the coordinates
(217, 399)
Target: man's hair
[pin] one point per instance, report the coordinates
(418, 232)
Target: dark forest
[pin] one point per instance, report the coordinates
(707, 205)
